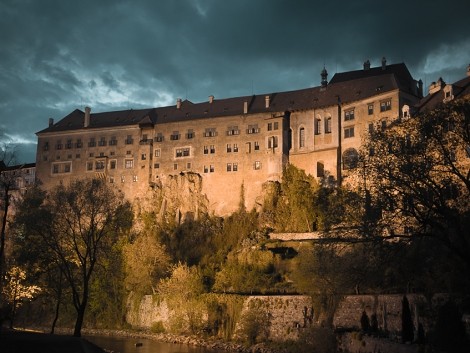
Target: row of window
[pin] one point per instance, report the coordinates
(385, 105)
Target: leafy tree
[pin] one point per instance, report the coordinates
(254, 326)
(417, 172)
(182, 291)
(79, 223)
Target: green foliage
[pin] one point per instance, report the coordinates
(254, 326)
(223, 314)
(157, 327)
(183, 293)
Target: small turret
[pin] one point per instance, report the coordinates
(324, 77)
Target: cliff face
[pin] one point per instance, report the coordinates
(178, 197)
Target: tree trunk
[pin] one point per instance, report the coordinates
(77, 332)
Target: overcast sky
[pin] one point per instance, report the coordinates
(60, 55)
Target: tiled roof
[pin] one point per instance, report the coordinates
(344, 88)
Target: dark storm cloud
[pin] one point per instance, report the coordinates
(57, 55)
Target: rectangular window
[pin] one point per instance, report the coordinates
(235, 167)
(134, 178)
(144, 138)
(129, 140)
(349, 132)
(229, 148)
(206, 169)
(111, 180)
(272, 142)
(253, 129)
(175, 136)
(188, 165)
(229, 167)
(175, 166)
(55, 169)
(89, 166)
(45, 147)
(302, 137)
(386, 105)
(317, 126)
(257, 165)
(129, 163)
(212, 149)
(233, 130)
(328, 125)
(79, 143)
(235, 147)
(143, 156)
(157, 153)
(159, 137)
(123, 179)
(270, 126)
(99, 165)
(190, 134)
(276, 125)
(113, 141)
(156, 165)
(206, 150)
(248, 147)
(211, 168)
(128, 152)
(68, 145)
(256, 146)
(370, 109)
(210, 132)
(92, 142)
(58, 146)
(182, 152)
(112, 164)
(349, 115)
(102, 142)
(77, 156)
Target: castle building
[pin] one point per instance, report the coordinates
(234, 145)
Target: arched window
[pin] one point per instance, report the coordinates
(317, 126)
(328, 125)
(350, 158)
(301, 137)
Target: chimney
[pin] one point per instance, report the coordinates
(384, 63)
(178, 103)
(51, 122)
(266, 101)
(245, 107)
(324, 78)
(211, 99)
(366, 65)
(87, 117)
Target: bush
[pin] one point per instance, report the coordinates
(255, 326)
(157, 327)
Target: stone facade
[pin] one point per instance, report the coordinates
(236, 144)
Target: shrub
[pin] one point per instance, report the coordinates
(157, 327)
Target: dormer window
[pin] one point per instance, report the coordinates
(448, 94)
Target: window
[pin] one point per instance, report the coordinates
(317, 126)
(144, 138)
(235, 147)
(157, 153)
(156, 165)
(370, 109)
(229, 148)
(212, 149)
(233, 130)
(112, 153)
(206, 169)
(79, 143)
(229, 167)
(270, 126)
(328, 125)
(77, 156)
(349, 115)
(68, 145)
(253, 129)
(113, 141)
(92, 142)
(175, 166)
(257, 165)
(235, 167)
(129, 140)
(175, 136)
(102, 142)
(129, 163)
(159, 137)
(386, 105)
(350, 158)
(111, 180)
(134, 178)
(371, 128)
(143, 156)
(276, 125)
(248, 147)
(349, 132)
(45, 147)
(210, 132)
(128, 152)
(272, 142)
(123, 179)
(302, 137)
(211, 168)
(188, 165)
(58, 146)
(256, 146)
(112, 164)
(182, 152)
(190, 134)
(320, 170)
(206, 149)
(99, 165)
(89, 166)
(55, 169)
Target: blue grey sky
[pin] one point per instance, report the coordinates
(60, 55)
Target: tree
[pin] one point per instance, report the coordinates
(7, 183)
(79, 223)
(417, 172)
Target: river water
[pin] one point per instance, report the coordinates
(142, 345)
